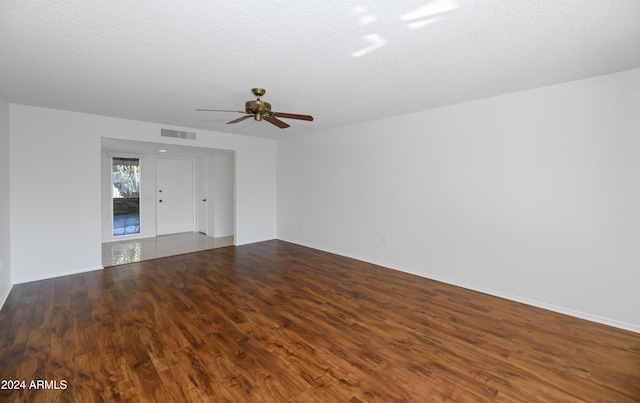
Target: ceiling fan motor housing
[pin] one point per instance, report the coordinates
(258, 109)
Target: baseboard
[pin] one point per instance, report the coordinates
(531, 302)
(59, 274)
(538, 304)
(5, 294)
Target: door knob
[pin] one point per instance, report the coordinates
(160, 200)
(204, 199)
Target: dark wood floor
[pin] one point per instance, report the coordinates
(278, 322)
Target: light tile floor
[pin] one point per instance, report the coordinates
(135, 250)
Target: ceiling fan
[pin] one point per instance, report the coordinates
(261, 110)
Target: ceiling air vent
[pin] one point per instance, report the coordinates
(177, 134)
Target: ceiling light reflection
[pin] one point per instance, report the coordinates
(431, 9)
(422, 23)
(367, 19)
(376, 42)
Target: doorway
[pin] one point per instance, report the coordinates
(175, 196)
(216, 184)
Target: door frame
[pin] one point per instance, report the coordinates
(202, 191)
(108, 183)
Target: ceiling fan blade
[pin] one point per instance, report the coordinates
(219, 110)
(276, 122)
(240, 119)
(292, 116)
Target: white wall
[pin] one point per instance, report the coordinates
(223, 194)
(532, 196)
(55, 205)
(55, 186)
(5, 233)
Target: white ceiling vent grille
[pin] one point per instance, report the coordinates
(177, 134)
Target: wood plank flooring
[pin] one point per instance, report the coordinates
(277, 322)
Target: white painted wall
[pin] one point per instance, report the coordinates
(532, 196)
(5, 233)
(223, 194)
(55, 199)
(55, 186)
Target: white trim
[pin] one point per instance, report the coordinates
(550, 307)
(5, 295)
(118, 154)
(60, 274)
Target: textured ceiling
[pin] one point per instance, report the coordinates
(344, 61)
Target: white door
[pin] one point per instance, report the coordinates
(174, 196)
(201, 200)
